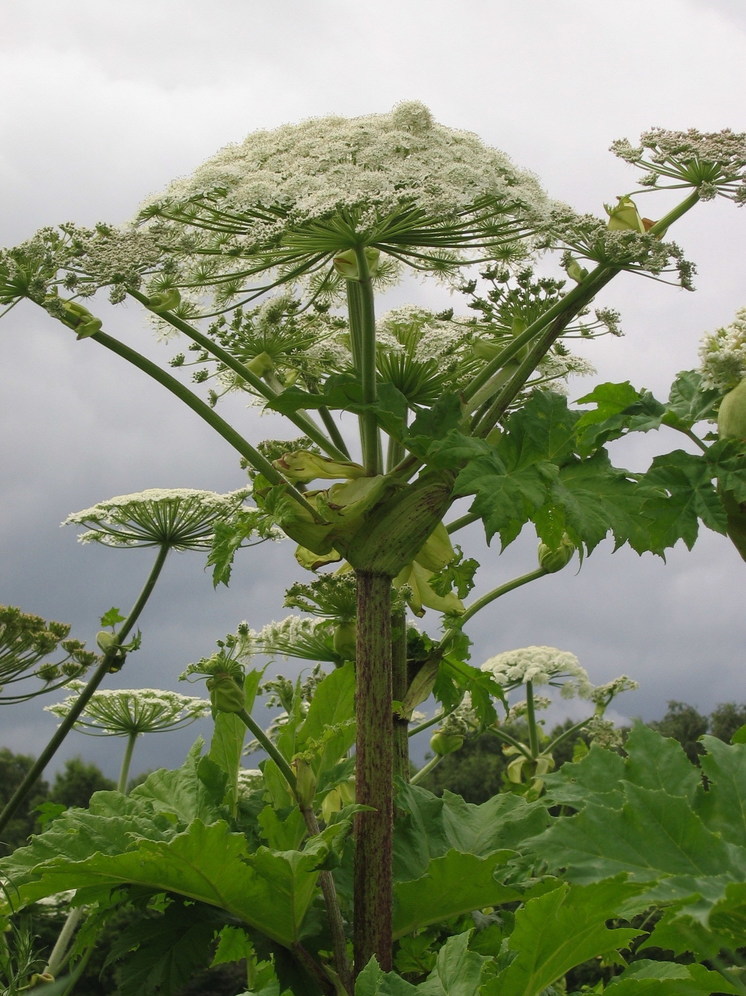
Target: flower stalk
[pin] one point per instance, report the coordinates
(111, 658)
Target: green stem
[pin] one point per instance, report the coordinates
(206, 413)
(374, 773)
(551, 324)
(425, 770)
(124, 771)
(94, 681)
(485, 600)
(533, 733)
(301, 419)
(363, 335)
(464, 520)
(333, 911)
(506, 738)
(270, 749)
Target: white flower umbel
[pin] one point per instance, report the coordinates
(541, 666)
(714, 163)
(294, 636)
(722, 355)
(180, 518)
(127, 712)
(300, 195)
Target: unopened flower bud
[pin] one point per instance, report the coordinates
(261, 364)
(554, 559)
(732, 413)
(624, 216)
(346, 265)
(345, 639)
(105, 640)
(167, 300)
(305, 781)
(442, 743)
(226, 695)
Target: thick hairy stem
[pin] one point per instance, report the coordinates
(94, 681)
(399, 685)
(375, 769)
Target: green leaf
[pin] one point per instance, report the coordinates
(619, 409)
(374, 982)
(663, 978)
(184, 793)
(687, 844)
(428, 827)
(233, 945)
(689, 402)
(112, 617)
(503, 498)
(542, 429)
(686, 495)
(673, 771)
(723, 806)
(433, 425)
(453, 884)
(328, 730)
(591, 498)
(458, 971)
(163, 953)
(343, 392)
(561, 929)
(596, 778)
(270, 891)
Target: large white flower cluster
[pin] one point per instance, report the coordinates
(540, 666)
(722, 355)
(367, 166)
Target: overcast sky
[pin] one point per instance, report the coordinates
(105, 103)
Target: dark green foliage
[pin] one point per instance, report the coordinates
(75, 785)
(13, 769)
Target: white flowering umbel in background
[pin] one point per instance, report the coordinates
(120, 713)
(527, 669)
(169, 519)
(327, 212)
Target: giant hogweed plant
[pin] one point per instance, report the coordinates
(268, 262)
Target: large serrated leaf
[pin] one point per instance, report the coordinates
(453, 884)
(268, 890)
(561, 929)
(458, 971)
(663, 978)
(428, 827)
(372, 981)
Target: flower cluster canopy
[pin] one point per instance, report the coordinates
(299, 195)
(179, 518)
